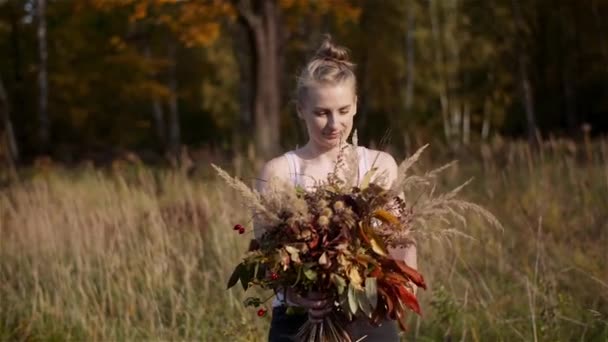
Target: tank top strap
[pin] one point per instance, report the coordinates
(294, 168)
(364, 166)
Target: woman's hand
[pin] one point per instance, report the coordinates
(318, 304)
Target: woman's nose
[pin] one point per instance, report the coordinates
(332, 120)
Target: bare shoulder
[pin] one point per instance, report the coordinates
(385, 163)
(277, 167)
(381, 159)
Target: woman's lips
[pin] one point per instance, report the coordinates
(332, 136)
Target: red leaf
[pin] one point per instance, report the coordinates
(408, 299)
(388, 301)
(314, 242)
(411, 273)
(400, 319)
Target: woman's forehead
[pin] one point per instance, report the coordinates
(330, 96)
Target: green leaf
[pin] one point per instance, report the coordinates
(260, 270)
(344, 304)
(236, 274)
(246, 275)
(256, 269)
(363, 303)
(252, 301)
(310, 274)
(300, 190)
(300, 268)
(352, 299)
(371, 291)
(339, 282)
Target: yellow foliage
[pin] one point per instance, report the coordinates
(118, 43)
(140, 11)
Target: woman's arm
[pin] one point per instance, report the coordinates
(275, 168)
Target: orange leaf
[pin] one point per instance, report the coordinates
(385, 217)
(363, 234)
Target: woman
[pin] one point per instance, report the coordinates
(327, 103)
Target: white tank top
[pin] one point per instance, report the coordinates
(298, 180)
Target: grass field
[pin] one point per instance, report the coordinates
(144, 254)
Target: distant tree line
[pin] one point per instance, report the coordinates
(88, 76)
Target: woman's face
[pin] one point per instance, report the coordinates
(328, 111)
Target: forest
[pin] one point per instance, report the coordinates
(88, 78)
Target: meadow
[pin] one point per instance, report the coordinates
(141, 253)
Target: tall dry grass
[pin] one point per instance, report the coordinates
(144, 254)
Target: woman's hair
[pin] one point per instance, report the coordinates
(330, 65)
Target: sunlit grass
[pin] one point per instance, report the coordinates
(145, 254)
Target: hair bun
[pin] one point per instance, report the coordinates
(329, 51)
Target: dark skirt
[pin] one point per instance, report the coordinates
(284, 327)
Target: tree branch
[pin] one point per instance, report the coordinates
(251, 19)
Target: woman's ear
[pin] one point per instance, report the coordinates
(299, 111)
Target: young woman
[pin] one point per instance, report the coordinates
(327, 103)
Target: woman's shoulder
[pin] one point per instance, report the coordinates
(384, 163)
(275, 167)
(380, 159)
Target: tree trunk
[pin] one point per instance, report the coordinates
(43, 115)
(597, 19)
(159, 121)
(485, 127)
(570, 99)
(568, 63)
(439, 64)
(8, 142)
(453, 73)
(524, 77)
(243, 42)
(263, 23)
(242, 51)
(410, 46)
(157, 108)
(466, 124)
(528, 98)
(174, 127)
(17, 94)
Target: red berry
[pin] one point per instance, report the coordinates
(261, 312)
(241, 230)
(274, 276)
(238, 227)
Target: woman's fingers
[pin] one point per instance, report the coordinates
(319, 305)
(317, 315)
(309, 303)
(312, 300)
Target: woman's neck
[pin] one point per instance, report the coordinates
(323, 155)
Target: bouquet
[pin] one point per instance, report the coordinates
(335, 239)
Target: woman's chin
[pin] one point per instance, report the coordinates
(333, 144)
(327, 143)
